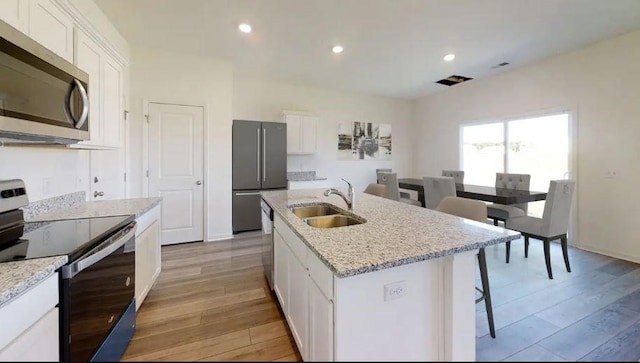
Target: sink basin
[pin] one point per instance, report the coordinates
(306, 211)
(332, 221)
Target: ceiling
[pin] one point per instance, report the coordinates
(391, 47)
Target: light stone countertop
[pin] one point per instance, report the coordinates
(395, 233)
(18, 276)
(101, 208)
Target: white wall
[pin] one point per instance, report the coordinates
(601, 81)
(264, 100)
(190, 80)
(47, 172)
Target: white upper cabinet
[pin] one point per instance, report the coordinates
(51, 27)
(105, 92)
(302, 132)
(88, 58)
(16, 14)
(112, 102)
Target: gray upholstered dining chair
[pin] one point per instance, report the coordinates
(475, 210)
(387, 170)
(379, 190)
(378, 171)
(436, 189)
(501, 212)
(393, 191)
(458, 175)
(554, 222)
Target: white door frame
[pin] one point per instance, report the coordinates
(205, 150)
(572, 111)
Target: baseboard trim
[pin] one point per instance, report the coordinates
(609, 253)
(219, 237)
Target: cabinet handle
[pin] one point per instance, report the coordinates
(264, 154)
(258, 155)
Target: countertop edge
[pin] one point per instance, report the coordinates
(88, 209)
(31, 280)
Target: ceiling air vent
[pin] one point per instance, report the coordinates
(500, 65)
(451, 80)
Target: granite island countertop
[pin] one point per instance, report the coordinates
(18, 276)
(394, 234)
(100, 208)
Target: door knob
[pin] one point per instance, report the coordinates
(199, 182)
(98, 194)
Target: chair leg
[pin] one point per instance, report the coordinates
(508, 250)
(547, 256)
(484, 276)
(526, 246)
(565, 252)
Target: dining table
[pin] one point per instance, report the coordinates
(480, 192)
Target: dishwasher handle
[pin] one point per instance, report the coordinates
(97, 254)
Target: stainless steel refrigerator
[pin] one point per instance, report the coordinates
(259, 163)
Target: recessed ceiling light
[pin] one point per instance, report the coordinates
(337, 49)
(245, 28)
(449, 57)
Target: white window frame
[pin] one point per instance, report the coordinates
(572, 113)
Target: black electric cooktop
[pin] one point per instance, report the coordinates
(72, 237)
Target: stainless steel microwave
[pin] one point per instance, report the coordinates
(43, 98)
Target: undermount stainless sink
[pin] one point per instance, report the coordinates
(332, 221)
(306, 211)
(323, 215)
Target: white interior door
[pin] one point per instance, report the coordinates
(176, 169)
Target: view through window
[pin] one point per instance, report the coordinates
(538, 146)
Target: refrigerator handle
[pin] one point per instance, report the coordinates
(258, 155)
(264, 154)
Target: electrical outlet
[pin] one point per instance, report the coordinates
(395, 290)
(611, 174)
(46, 186)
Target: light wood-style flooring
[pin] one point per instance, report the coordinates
(212, 303)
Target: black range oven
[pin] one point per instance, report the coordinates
(97, 285)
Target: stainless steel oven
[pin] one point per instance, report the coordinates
(97, 291)
(43, 98)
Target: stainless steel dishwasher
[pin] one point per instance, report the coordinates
(267, 241)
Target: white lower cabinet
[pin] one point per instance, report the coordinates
(148, 262)
(298, 273)
(298, 315)
(320, 325)
(30, 324)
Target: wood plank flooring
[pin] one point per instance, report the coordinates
(212, 303)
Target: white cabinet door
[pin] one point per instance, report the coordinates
(88, 57)
(298, 316)
(281, 271)
(15, 13)
(112, 113)
(308, 134)
(320, 325)
(51, 27)
(38, 343)
(147, 261)
(294, 124)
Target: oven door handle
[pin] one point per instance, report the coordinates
(92, 257)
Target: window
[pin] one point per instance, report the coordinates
(538, 146)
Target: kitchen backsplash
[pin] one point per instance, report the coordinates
(47, 205)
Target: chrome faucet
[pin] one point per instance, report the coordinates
(350, 199)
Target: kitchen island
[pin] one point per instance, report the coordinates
(400, 286)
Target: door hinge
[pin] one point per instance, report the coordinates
(126, 113)
(147, 173)
(125, 177)
(147, 117)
